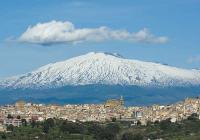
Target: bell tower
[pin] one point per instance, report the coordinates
(122, 100)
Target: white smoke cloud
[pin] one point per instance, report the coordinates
(65, 32)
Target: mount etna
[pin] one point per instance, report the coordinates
(95, 77)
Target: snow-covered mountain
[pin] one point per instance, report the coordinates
(106, 69)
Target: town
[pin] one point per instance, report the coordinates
(112, 109)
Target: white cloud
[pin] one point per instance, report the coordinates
(194, 59)
(65, 32)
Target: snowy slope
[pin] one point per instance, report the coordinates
(103, 68)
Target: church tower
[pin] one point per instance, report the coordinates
(122, 100)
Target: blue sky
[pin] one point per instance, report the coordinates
(176, 19)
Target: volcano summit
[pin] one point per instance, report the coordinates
(98, 74)
(104, 69)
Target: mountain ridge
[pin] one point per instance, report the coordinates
(103, 68)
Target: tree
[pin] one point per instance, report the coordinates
(114, 119)
(139, 122)
(94, 128)
(24, 122)
(138, 136)
(106, 135)
(10, 127)
(109, 132)
(193, 117)
(50, 122)
(10, 116)
(127, 136)
(103, 132)
(46, 128)
(149, 123)
(165, 124)
(131, 136)
(3, 136)
(33, 124)
(72, 127)
(18, 117)
(156, 122)
(113, 128)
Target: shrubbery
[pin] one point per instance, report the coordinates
(56, 129)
